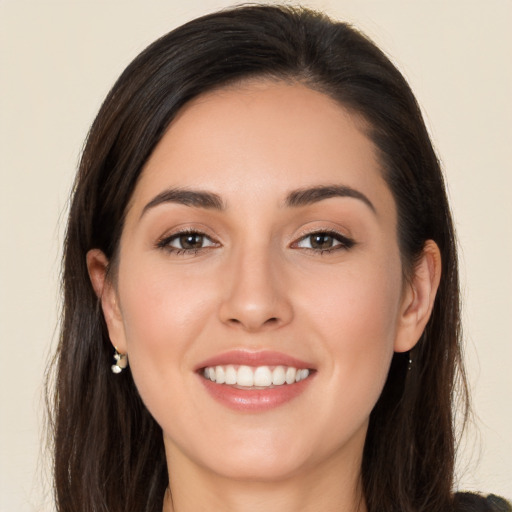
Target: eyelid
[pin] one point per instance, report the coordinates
(178, 236)
(164, 241)
(345, 242)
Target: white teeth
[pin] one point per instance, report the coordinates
(260, 377)
(220, 375)
(300, 375)
(290, 375)
(278, 376)
(304, 374)
(230, 375)
(245, 376)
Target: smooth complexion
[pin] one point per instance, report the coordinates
(263, 271)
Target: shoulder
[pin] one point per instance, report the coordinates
(469, 502)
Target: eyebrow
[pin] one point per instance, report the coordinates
(295, 199)
(307, 196)
(187, 197)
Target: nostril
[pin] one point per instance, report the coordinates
(269, 322)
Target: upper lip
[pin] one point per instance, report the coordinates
(254, 358)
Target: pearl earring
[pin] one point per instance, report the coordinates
(121, 362)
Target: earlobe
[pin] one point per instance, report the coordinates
(419, 297)
(97, 266)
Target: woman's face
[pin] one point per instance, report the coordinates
(260, 240)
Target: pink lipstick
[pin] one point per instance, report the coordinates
(254, 381)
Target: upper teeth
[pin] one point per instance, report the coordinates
(260, 376)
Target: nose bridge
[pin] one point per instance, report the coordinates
(255, 296)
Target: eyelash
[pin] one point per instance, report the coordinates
(165, 243)
(345, 243)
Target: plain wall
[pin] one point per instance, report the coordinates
(58, 59)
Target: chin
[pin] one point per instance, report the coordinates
(260, 468)
(257, 456)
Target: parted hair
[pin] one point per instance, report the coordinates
(108, 450)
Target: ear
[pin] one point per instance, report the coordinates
(418, 298)
(97, 266)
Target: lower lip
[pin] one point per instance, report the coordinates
(255, 400)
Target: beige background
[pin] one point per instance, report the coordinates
(57, 61)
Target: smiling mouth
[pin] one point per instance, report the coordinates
(255, 377)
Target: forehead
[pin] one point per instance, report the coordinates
(260, 139)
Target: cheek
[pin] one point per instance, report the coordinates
(356, 315)
(163, 314)
(161, 308)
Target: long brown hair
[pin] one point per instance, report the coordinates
(109, 453)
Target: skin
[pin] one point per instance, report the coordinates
(260, 284)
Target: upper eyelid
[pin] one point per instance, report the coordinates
(215, 239)
(164, 242)
(327, 231)
(188, 230)
(346, 241)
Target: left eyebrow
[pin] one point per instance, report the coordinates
(307, 196)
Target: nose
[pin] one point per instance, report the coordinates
(255, 297)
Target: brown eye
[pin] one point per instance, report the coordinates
(191, 241)
(186, 242)
(324, 241)
(321, 241)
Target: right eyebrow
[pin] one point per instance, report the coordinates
(187, 197)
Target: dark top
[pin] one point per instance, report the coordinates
(469, 502)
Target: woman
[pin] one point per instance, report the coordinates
(260, 237)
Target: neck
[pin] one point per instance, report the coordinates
(323, 487)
